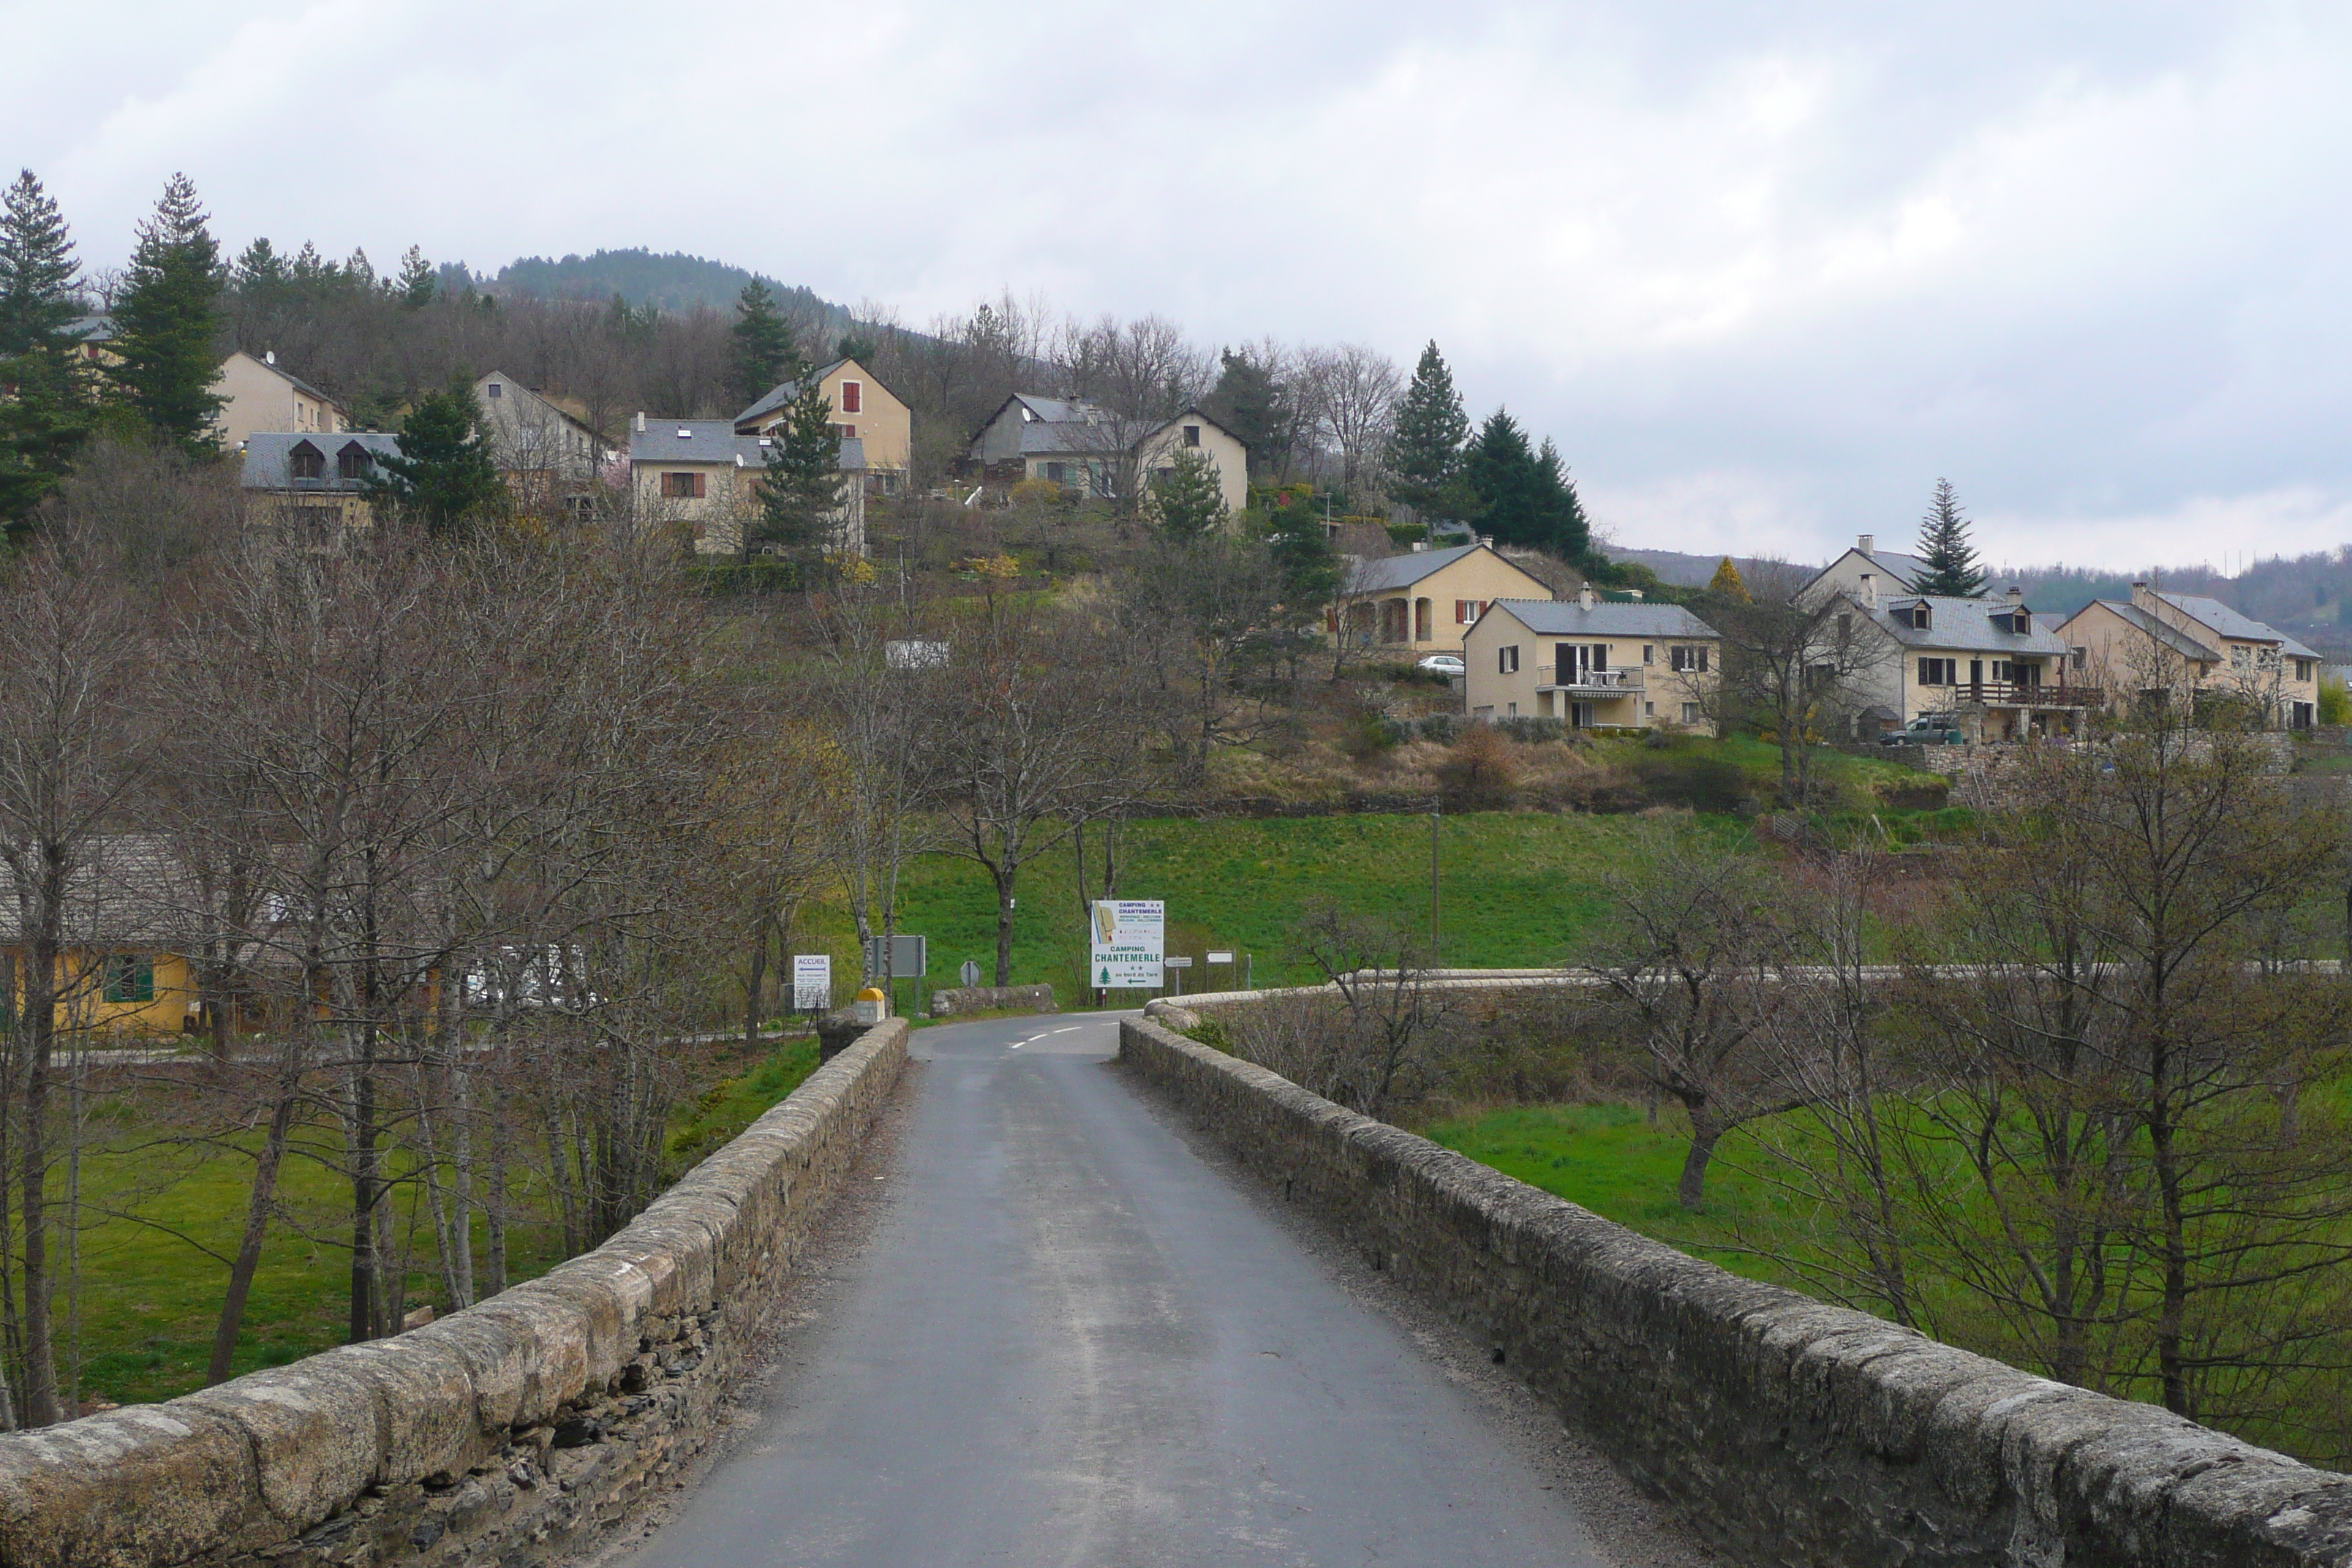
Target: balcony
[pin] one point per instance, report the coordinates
(2020, 694)
(1591, 682)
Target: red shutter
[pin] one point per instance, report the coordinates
(850, 392)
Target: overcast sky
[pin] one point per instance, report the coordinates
(1764, 272)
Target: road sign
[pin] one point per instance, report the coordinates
(1130, 938)
(970, 972)
(811, 981)
(909, 957)
(1176, 964)
(1215, 957)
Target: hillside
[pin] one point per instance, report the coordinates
(671, 280)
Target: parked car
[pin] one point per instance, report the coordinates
(1928, 730)
(1447, 664)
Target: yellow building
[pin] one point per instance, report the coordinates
(1423, 601)
(2189, 648)
(863, 411)
(1594, 662)
(123, 969)
(313, 486)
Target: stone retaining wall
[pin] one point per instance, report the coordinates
(1785, 1430)
(956, 1001)
(500, 1434)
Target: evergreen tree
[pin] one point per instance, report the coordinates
(1252, 401)
(801, 492)
(167, 325)
(1952, 568)
(446, 474)
(1303, 559)
(415, 285)
(1727, 584)
(44, 414)
(765, 353)
(1499, 471)
(260, 273)
(1426, 446)
(1190, 495)
(1570, 530)
(857, 344)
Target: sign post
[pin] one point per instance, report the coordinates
(1129, 943)
(813, 982)
(971, 975)
(1176, 968)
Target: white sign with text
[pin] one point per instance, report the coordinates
(811, 981)
(1130, 941)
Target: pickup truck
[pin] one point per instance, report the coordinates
(1928, 730)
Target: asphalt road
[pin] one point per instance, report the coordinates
(1069, 1339)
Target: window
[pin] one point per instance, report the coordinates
(1937, 672)
(2241, 657)
(1511, 710)
(1468, 611)
(853, 394)
(2303, 670)
(1690, 712)
(2080, 658)
(1649, 653)
(845, 432)
(497, 391)
(354, 462)
(130, 977)
(1649, 710)
(1688, 659)
(1916, 616)
(1507, 660)
(1057, 472)
(684, 487)
(306, 461)
(1192, 435)
(2305, 714)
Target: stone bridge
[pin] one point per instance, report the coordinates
(1087, 1292)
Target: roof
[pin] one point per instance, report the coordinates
(96, 329)
(782, 394)
(715, 441)
(267, 454)
(1402, 571)
(130, 889)
(2231, 624)
(1606, 617)
(1904, 569)
(1963, 624)
(1076, 424)
(2164, 632)
(282, 373)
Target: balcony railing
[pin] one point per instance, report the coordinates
(1610, 683)
(2021, 694)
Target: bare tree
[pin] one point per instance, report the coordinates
(1351, 390)
(1795, 671)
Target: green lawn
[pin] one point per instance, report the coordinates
(161, 1223)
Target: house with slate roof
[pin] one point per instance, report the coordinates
(1992, 664)
(1865, 568)
(1076, 442)
(1424, 601)
(2184, 648)
(1593, 663)
(863, 411)
(699, 476)
(313, 484)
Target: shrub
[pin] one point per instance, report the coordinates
(2334, 700)
(1370, 735)
(1479, 773)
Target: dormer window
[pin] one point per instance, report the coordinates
(306, 461)
(354, 462)
(1915, 616)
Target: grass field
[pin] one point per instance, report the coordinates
(159, 1224)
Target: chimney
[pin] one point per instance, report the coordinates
(2140, 594)
(2016, 595)
(1869, 588)
(1584, 595)
(1867, 544)
(641, 421)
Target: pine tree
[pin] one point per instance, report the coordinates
(1728, 585)
(1952, 569)
(1190, 495)
(43, 416)
(765, 353)
(1252, 401)
(801, 492)
(1303, 559)
(1426, 446)
(416, 285)
(446, 475)
(1570, 530)
(260, 273)
(1500, 470)
(167, 326)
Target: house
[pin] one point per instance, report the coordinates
(255, 394)
(130, 909)
(1423, 602)
(1990, 663)
(864, 410)
(1863, 568)
(2184, 648)
(699, 475)
(1594, 662)
(547, 457)
(313, 485)
(1076, 442)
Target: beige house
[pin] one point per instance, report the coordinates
(1424, 601)
(258, 397)
(1594, 662)
(1863, 569)
(2182, 647)
(1990, 664)
(864, 410)
(1078, 443)
(313, 485)
(700, 476)
(547, 457)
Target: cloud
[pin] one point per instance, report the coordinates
(1764, 272)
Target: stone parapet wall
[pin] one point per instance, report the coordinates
(1785, 1430)
(500, 1433)
(960, 1001)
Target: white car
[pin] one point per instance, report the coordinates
(1441, 664)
